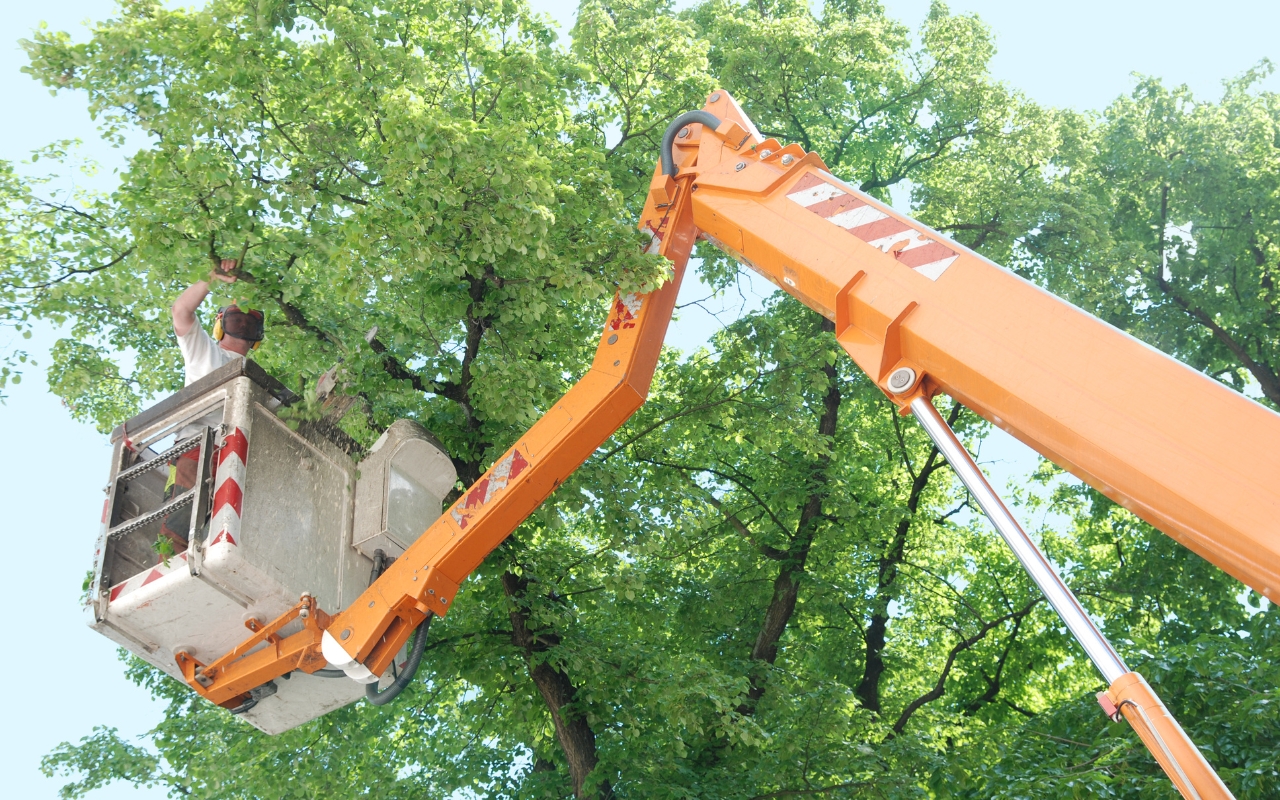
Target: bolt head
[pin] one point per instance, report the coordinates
(345, 634)
(902, 379)
(684, 133)
(740, 166)
(715, 97)
(766, 153)
(787, 159)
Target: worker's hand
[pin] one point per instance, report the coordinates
(225, 271)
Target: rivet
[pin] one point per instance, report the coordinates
(616, 363)
(371, 602)
(715, 97)
(613, 339)
(415, 577)
(741, 165)
(684, 132)
(346, 634)
(787, 159)
(444, 601)
(902, 379)
(431, 591)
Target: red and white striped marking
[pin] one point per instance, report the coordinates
(505, 471)
(837, 203)
(148, 576)
(625, 308)
(228, 494)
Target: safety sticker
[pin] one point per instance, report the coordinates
(844, 207)
(505, 471)
(625, 308)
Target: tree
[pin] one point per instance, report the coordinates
(1174, 199)
(768, 584)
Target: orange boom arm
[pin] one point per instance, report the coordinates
(1195, 459)
(365, 637)
(920, 315)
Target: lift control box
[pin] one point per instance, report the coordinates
(220, 515)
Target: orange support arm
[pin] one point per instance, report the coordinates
(1193, 458)
(427, 576)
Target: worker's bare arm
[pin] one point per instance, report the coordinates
(184, 308)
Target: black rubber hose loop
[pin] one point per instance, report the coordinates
(669, 138)
(381, 698)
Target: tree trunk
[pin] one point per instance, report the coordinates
(868, 689)
(573, 732)
(786, 588)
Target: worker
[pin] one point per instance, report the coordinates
(236, 331)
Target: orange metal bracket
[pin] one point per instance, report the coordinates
(1132, 697)
(259, 658)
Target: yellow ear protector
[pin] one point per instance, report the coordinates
(220, 331)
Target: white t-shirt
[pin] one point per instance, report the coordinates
(201, 354)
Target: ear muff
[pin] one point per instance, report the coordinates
(218, 332)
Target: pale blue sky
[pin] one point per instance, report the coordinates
(1079, 54)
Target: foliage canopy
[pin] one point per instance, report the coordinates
(767, 584)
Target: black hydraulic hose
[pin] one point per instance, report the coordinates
(381, 698)
(669, 138)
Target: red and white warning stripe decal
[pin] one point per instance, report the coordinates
(228, 494)
(505, 471)
(835, 202)
(148, 576)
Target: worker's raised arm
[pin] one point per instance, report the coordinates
(184, 308)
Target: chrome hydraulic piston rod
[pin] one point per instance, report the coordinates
(1129, 696)
(1100, 651)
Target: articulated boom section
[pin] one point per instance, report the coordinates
(1192, 457)
(920, 315)
(365, 637)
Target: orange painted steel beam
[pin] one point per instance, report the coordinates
(427, 576)
(1192, 457)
